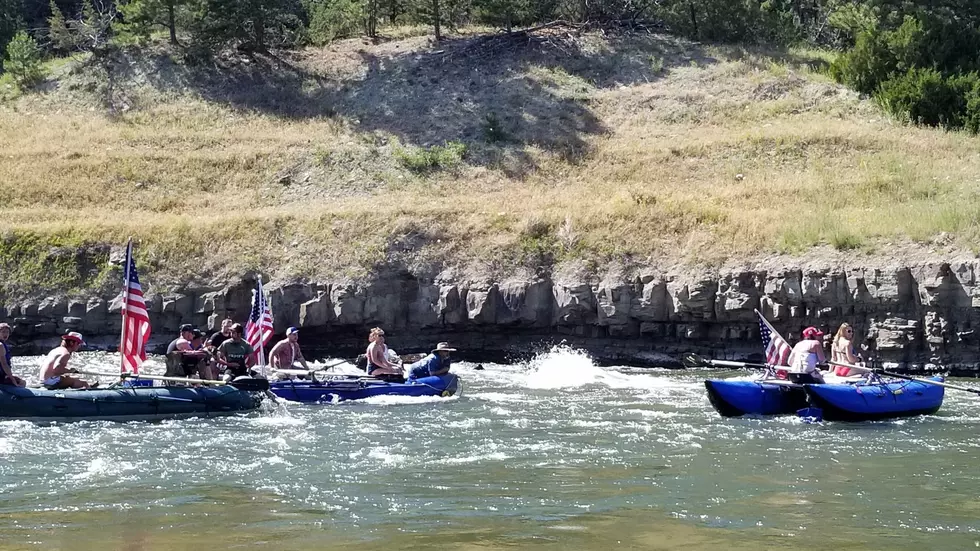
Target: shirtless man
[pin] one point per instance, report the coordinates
(54, 366)
(7, 376)
(286, 352)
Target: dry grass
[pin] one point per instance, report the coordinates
(642, 148)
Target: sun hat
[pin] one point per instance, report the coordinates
(74, 336)
(292, 330)
(443, 347)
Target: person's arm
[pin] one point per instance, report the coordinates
(818, 350)
(377, 357)
(443, 369)
(849, 354)
(274, 360)
(7, 370)
(61, 366)
(302, 360)
(220, 357)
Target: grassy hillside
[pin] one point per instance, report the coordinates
(480, 152)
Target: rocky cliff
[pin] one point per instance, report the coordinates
(921, 317)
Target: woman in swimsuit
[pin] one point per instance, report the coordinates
(843, 351)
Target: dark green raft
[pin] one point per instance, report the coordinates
(141, 403)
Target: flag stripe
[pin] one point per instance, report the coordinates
(777, 349)
(136, 320)
(259, 328)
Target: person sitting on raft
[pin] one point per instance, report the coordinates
(54, 366)
(435, 364)
(7, 376)
(286, 352)
(185, 354)
(234, 352)
(805, 357)
(378, 363)
(843, 351)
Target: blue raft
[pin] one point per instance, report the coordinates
(341, 389)
(861, 401)
(139, 403)
(876, 401)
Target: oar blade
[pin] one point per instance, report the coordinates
(251, 385)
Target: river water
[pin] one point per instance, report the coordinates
(553, 454)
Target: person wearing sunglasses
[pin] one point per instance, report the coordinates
(842, 350)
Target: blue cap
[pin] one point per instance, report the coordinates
(292, 330)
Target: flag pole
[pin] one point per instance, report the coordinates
(261, 302)
(125, 305)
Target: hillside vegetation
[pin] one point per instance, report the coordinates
(489, 152)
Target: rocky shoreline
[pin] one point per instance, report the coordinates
(921, 317)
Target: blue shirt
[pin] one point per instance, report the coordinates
(427, 366)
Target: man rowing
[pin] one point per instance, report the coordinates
(286, 352)
(234, 352)
(54, 367)
(7, 376)
(435, 364)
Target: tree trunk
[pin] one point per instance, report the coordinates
(172, 23)
(694, 19)
(436, 16)
(260, 30)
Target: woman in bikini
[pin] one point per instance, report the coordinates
(842, 350)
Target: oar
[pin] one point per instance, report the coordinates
(906, 377)
(693, 360)
(288, 371)
(248, 385)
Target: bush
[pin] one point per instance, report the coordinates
(333, 19)
(432, 158)
(920, 96)
(971, 113)
(24, 60)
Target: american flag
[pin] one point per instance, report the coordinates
(259, 328)
(777, 349)
(136, 322)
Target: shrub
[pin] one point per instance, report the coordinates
(333, 19)
(24, 60)
(432, 158)
(924, 96)
(493, 129)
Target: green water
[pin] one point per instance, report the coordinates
(557, 454)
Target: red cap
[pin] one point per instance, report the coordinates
(812, 333)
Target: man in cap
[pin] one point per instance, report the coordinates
(286, 352)
(806, 356)
(436, 363)
(54, 367)
(7, 376)
(183, 356)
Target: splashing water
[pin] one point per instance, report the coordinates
(567, 367)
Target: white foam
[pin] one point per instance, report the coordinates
(403, 400)
(567, 367)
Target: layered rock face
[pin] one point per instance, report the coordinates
(919, 317)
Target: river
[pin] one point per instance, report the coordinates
(553, 454)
